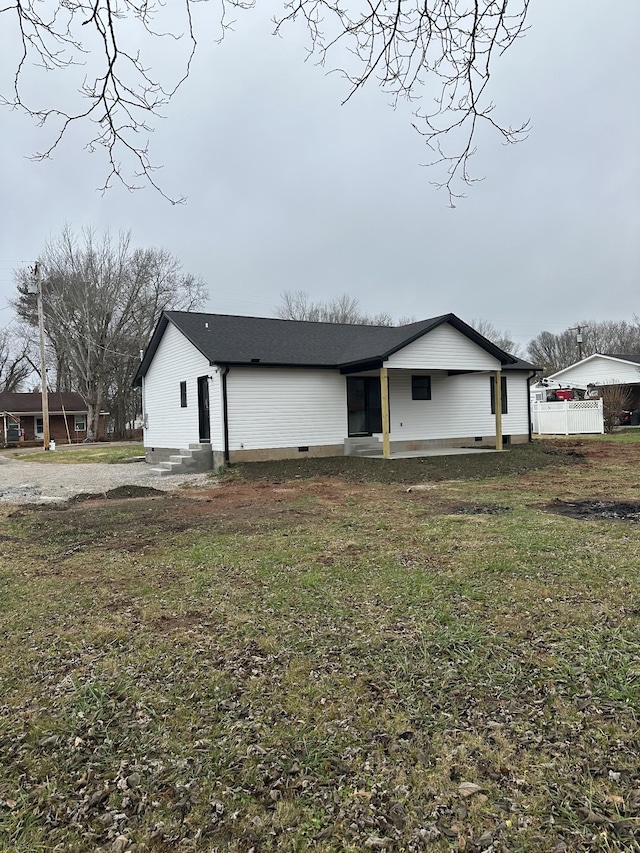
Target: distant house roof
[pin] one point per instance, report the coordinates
(628, 358)
(230, 339)
(30, 403)
(635, 359)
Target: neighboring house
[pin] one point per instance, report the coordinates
(258, 388)
(603, 369)
(21, 418)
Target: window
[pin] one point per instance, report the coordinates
(420, 387)
(80, 423)
(183, 395)
(503, 389)
(39, 426)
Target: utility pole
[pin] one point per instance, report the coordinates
(578, 330)
(43, 368)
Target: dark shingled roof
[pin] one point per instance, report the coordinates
(634, 358)
(31, 402)
(229, 339)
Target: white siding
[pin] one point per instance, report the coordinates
(279, 407)
(460, 406)
(598, 371)
(169, 425)
(445, 348)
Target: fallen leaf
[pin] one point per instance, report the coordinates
(468, 789)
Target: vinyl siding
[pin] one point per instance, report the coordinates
(445, 348)
(599, 371)
(460, 406)
(169, 425)
(279, 407)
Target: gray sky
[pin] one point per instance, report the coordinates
(289, 190)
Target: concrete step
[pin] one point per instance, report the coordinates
(186, 463)
(161, 472)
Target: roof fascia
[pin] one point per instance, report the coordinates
(150, 351)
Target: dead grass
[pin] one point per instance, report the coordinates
(325, 664)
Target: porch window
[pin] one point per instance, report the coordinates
(80, 423)
(39, 426)
(503, 388)
(420, 387)
(183, 395)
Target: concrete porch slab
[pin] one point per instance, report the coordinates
(439, 451)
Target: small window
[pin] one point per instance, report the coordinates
(420, 387)
(503, 389)
(39, 426)
(183, 395)
(80, 423)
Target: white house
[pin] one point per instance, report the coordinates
(254, 388)
(600, 369)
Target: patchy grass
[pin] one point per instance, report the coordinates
(325, 664)
(103, 453)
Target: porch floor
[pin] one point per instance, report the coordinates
(436, 451)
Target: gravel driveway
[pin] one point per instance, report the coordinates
(37, 482)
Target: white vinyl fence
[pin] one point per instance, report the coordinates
(569, 417)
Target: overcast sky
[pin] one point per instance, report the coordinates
(287, 189)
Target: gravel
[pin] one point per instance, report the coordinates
(37, 482)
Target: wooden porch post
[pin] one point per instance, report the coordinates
(384, 400)
(497, 396)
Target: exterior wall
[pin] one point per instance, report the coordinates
(598, 371)
(167, 424)
(285, 408)
(460, 407)
(445, 348)
(270, 453)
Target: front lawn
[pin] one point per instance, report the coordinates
(327, 665)
(103, 453)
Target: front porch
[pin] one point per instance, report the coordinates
(413, 412)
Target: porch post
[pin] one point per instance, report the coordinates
(384, 401)
(497, 396)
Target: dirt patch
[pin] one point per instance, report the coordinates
(597, 510)
(119, 493)
(518, 459)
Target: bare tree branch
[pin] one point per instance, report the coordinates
(296, 305)
(444, 49)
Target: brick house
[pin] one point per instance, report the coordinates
(21, 418)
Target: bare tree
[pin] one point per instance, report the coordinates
(101, 301)
(500, 339)
(554, 352)
(297, 305)
(15, 363)
(448, 48)
(615, 399)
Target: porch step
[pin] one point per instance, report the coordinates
(365, 446)
(195, 459)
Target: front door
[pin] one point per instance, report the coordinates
(364, 406)
(204, 422)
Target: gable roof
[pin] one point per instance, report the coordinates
(31, 402)
(628, 359)
(231, 339)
